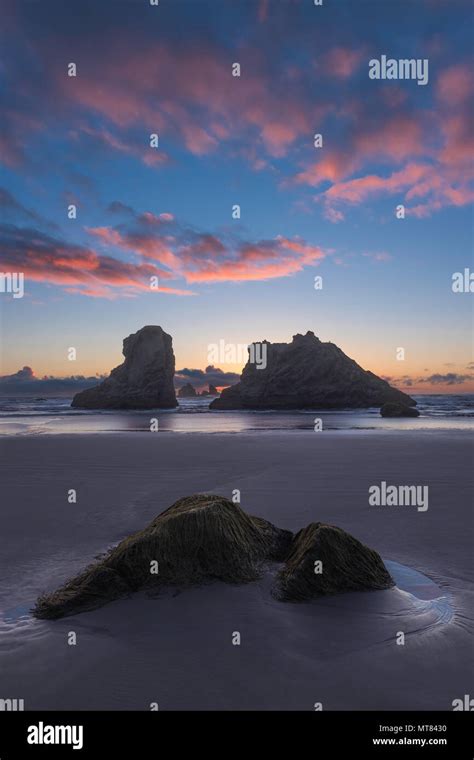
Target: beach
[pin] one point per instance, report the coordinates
(176, 651)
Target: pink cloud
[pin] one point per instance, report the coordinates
(204, 257)
(190, 94)
(429, 152)
(455, 85)
(80, 269)
(262, 260)
(358, 190)
(342, 62)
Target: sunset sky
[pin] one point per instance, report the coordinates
(248, 140)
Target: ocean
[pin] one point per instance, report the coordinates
(28, 416)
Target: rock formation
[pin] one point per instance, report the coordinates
(211, 392)
(306, 374)
(197, 539)
(143, 381)
(394, 409)
(346, 565)
(187, 391)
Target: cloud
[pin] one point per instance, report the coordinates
(451, 378)
(342, 63)
(333, 215)
(427, 151)
(455, 85)
(11, 208)
(149, 156)
(262, 260)
(76, 268)
(26, 383)
(157, 246)
(202, 378)
(207, 257)
(175, 80)
(435, 380)
(132, 82)
(117, 207)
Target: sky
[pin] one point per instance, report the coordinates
(156, 239)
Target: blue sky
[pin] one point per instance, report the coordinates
(247, 140)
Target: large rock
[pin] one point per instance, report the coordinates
(346, 565)
(306, 374)
(394, 409)
(143, 381)
(187, 391)
(199, 538)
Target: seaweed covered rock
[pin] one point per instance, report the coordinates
(345, 565)
(392, 409)
(199, 538)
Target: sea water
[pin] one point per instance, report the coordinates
(28, 415)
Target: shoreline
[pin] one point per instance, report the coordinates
(176, 649)
(439, 431)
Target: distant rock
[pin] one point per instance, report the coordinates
(394, 409)
(199, 538)
(187, 391)
(211, 392)
(306, 374)
(143, 381)
(346, 565)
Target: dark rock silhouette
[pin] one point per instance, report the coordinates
(306, 374)
(347, 565)
(393, 409)
(211, 392)
(187, 391)
(199, 538)
(143, 381)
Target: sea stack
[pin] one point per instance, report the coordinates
(187, 391)
(306, 374)
(211, 392)
(143, 381)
